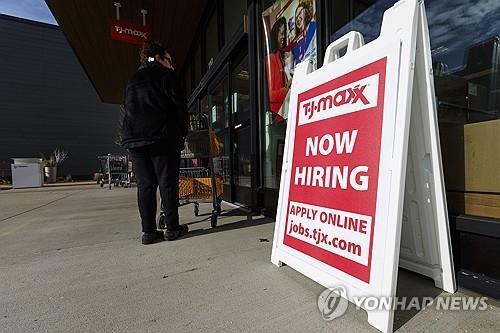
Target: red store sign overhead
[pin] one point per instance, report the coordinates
(129, 32)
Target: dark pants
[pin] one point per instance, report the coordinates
(157, 165)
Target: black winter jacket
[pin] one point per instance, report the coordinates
(155, 108)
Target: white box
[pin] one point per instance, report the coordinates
(27, 174)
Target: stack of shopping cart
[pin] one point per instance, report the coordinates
(116, 170)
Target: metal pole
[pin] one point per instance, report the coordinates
(109, 170)
(117, 10)
(144, 12)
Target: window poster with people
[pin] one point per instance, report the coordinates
(290, 36)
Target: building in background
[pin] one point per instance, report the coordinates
(47, 101)
(236, 59)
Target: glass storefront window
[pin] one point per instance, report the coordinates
(211, 40)
(234, 10)
(219, 110)
(289, 34)
(240, 106)
(465, 47)
(205, 106)
(219, 117)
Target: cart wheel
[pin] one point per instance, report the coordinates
(102, 184)
(213, 219)
(196, 210)
(161, 222)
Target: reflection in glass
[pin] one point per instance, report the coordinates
(465, 48)
(289, 36)
(219, 119)
(241, 124)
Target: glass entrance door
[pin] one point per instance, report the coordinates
(227, 106)
(240, 124)
(216, 105)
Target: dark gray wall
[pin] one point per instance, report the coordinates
(47, 100)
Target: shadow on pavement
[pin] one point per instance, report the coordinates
(412, 285)
(249, 221)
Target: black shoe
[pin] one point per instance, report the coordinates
(171, 235)
(153, 237)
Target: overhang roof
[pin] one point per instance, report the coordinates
(109, 63)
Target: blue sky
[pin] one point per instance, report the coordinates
(35, 10)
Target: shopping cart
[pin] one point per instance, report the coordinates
(116, 170)
(198, 182)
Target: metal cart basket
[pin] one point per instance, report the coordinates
(197, 180)
(116, 170)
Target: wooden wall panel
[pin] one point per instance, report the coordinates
(482, 156)
(471, 156)
(477, 204)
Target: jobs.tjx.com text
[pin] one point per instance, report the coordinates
(340, 232)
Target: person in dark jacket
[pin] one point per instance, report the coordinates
(153, 129)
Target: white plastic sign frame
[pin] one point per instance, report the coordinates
(344, 211)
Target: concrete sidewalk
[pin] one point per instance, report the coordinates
(71, 261)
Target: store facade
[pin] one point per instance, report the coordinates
(236, 59)
(240, 66)
(230, 77)
(232, 70)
